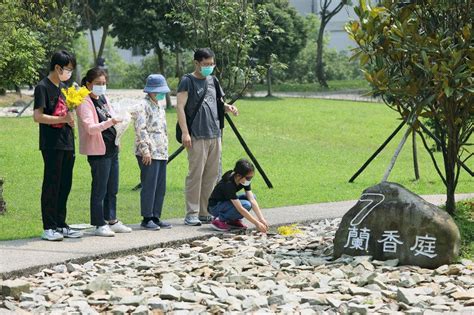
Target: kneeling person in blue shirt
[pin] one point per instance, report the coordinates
(227, 208)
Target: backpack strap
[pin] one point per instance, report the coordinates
(198, 106)
(220, 102)
(190, 118)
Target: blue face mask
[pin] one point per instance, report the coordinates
(205, 71)
(160, 96)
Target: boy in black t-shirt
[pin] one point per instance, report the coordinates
(56, 142)
(227, 208)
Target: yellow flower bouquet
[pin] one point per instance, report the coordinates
(288, 230)
(74, 97)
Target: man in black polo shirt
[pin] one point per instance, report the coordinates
(56, 142)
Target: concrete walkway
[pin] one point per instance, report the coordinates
(21, 257)
(349, 95)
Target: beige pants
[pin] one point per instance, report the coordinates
(204, 160)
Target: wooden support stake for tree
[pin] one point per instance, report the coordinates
(3, 204)
(373, 156)
(395, 155)
(175, 154)
(432, 157)
(241, 140)
(249, 153)
(24, 108)
(411, 119)
(429, 133)
(415, 156)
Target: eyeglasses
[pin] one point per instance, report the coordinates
(67, 69)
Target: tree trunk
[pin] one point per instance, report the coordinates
(269, 76)
(319, 57)
(450, 163)
(450, 198)
(179, 69)
(161, 62)
(415, 156)
(269, 81)
(18, 91)
(105, 32)
(94, 51)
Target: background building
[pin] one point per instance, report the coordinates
(338, 37)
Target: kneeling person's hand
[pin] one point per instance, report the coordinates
(261, 227)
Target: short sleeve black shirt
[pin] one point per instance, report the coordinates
(108, 134)
(46, 97)
(226, 190)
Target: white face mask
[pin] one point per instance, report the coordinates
(64, 75)
(246, 183)
(99, 90)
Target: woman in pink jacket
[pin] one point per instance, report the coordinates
(97, 140)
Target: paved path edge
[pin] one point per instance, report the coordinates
(286, 215)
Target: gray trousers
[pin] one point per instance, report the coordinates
(204, 161)
(153, 180)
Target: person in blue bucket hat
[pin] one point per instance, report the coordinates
(151, 150)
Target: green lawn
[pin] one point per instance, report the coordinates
(338, 85)
(465, 220)
(309, 149)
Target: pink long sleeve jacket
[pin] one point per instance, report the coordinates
(90, 130)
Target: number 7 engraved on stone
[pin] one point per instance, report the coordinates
(371, 198)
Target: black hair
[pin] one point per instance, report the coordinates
(62, 58)
(203, 53)
(93, 74)
(242, 167)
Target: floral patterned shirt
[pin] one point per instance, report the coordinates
(151, 136)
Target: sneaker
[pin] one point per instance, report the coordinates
(219, 225)
(119, 227)
(150, 225)
(69, 233)
(104, 230)
(162, 224)
(237, 224)
(192, 220)
(205, 219)
(52, 235)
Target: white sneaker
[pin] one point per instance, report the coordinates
(119, 227)
(104, 230)
(52, 235)
(69, 233)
